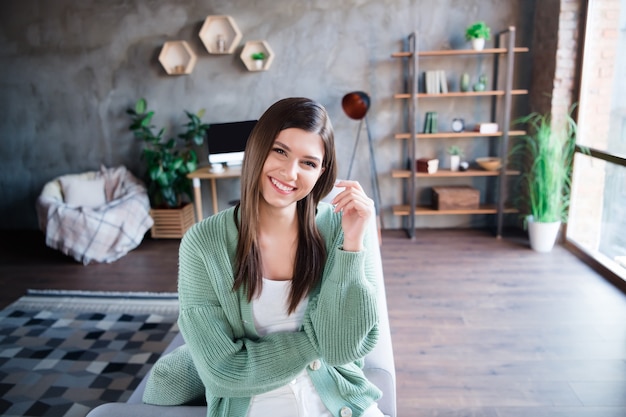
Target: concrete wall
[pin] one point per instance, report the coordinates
(70, 69)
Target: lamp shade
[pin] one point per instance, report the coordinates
(356, 104)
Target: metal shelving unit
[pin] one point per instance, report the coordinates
(411, 59)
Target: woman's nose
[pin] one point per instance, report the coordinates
(290, 170)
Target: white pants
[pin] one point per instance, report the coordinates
(296, 399)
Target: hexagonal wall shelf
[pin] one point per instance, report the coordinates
(255, 47)
(220, 34)
(177, 58)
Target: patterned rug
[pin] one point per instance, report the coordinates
(64, 353)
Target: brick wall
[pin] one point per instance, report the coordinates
(555, 52)
(594, 111)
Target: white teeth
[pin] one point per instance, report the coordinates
(281, 186)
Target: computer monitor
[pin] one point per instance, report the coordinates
(227, 141)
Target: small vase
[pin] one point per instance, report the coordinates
(465, 82)
(478, 44)
(455, 162)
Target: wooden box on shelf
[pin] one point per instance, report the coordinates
(171, 223)
(455, 197)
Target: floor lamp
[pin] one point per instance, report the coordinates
(355, 105)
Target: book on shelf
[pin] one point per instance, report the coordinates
(443, 82)
(431, 124)
(428, 165)
(435, 82)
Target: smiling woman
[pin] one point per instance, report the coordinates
(291, 170)
(310, 259)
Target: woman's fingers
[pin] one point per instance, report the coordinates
(352, 198)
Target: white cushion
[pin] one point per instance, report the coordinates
(83, 192)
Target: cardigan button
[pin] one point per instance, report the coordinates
(346, 412)
(315, 365)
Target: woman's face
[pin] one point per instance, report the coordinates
(292, 167)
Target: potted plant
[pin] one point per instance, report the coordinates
(477, 33)
(456, 153)
(167, 164)
(547, 153)
(258, 58)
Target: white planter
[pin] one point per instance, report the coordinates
(542, 235)
(478, 44)
(259, 63)
(455, 161)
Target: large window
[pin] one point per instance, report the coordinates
(597, 222)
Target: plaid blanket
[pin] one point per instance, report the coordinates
(100, 234)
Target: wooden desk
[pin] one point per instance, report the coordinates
(204, 173)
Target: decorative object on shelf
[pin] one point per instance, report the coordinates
(220, 34)
(355, 105)
(477, 33)
(167, 162)
(463, 166)
(547, 152)
(489, 163)
(458, 125)
(455, 197)
(177, 58)
(255, 52)
(431, 124)
(258, 58)
(487, 127)
(427, 165)
(465, 82)
(481, 85)
(456, 153)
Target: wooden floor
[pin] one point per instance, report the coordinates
(481, 327)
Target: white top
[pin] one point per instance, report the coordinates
(299, 397)
(270, 309)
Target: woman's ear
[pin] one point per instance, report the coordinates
(321, 173)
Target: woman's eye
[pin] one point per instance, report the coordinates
(311, 164)
(280, 151)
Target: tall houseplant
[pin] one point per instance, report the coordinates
(168, 163)
(548, 153)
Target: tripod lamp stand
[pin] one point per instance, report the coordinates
(355, 105)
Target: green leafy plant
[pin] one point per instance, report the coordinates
(455, 150)
(258, 56)
(547, 154)
(168, 161)
(478, 30)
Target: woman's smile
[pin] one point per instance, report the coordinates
(282, 186)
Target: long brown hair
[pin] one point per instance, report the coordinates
(308, 115)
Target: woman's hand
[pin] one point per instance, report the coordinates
(357, 209)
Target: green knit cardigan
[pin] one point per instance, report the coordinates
(226, 360)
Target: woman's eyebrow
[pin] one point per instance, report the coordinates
(288, 149)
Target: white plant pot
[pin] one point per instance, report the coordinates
(455, 161)
(259, 63)
(478, 44)
(542, 235)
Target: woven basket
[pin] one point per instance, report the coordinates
(171, 223)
